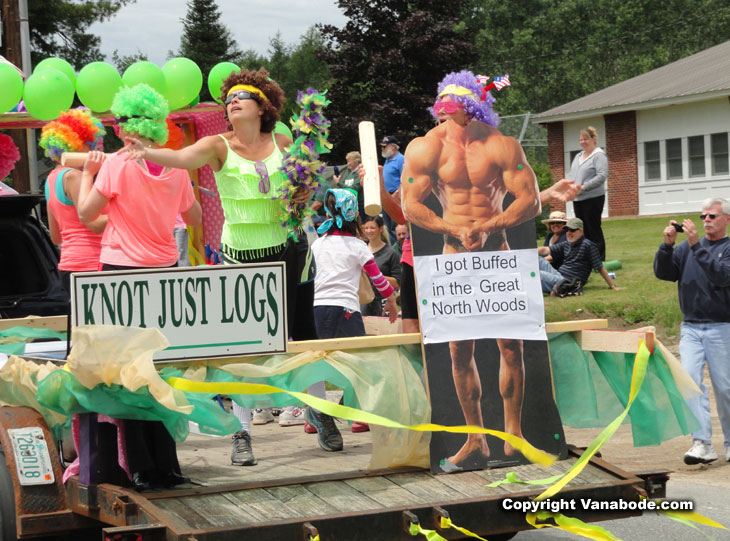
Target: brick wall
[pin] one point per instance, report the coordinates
(623, 172)
(556, 156)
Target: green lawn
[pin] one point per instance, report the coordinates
(645, 300)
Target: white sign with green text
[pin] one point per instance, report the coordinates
(204, 312)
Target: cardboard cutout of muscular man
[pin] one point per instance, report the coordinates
(470, 167)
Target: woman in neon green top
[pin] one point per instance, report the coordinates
(245, 161)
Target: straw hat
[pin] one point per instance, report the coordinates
(556, 216)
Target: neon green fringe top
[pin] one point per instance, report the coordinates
(252, 219)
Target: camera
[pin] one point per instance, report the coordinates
(336, 170)
(678, 227)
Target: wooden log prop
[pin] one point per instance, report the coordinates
(371, 182)
(74, 159)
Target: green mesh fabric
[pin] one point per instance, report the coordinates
(592, 388)
(13, 339)
(252, 219)
(60, 391)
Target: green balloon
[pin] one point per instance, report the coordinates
(97, 84)
(216, 76)
(145, 72)
(283, 129)
(12, 84)
(47, 94)
(196, 101)
(58, 64)
(184, 81)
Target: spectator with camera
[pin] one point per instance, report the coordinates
(701, 268)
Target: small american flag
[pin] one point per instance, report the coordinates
(482, 79)
(501, 82)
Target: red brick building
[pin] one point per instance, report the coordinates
(665, 134)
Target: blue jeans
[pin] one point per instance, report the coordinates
(337, 322)
(708, 343)
(548, 275)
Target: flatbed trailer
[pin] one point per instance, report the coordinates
(349, 502)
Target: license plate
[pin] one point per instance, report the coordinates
(31, 456)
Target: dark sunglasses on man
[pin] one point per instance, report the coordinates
(241, 95)
(569, 229)
(710, 216)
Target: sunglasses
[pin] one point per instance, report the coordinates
(449, 107)
(570, 229)
(264, 183)
(710, 216)
(241, 95)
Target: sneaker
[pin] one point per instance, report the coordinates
(291, 417)
(727, 454)
(242, 454)
(309, 429)
(359, 427)
(329, 436)
(700, 453)
(262, 416)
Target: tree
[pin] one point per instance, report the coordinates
(303, 68)
(559, 51)
(58, 28)
(205, 40)
(386, 62)
(122, 62)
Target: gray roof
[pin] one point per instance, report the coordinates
(698, 77)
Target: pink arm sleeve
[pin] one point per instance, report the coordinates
(379, 281)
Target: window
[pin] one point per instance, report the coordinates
(652, 166)
(573, 154)
(696, 155)
(718, 144)
(674, 158)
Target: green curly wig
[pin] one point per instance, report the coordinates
(142, 111)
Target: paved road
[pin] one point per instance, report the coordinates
(711, 501)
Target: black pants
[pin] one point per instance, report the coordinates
(590, 210)
(150, 449)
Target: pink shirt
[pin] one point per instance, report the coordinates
(80, 247)
(142, 210)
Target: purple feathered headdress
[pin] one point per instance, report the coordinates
(469, 94)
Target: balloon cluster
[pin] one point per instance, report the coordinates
(50, 88)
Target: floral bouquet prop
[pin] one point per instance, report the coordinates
(301, 164)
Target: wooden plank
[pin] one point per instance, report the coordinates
(427, 487)
(54, 323)
(358, 342)
(570, 326)
(184, 513)
(301, 501)
(614, 341)
(219, 511)
(385, 491)
(468, 483)
(260, 503)
(343, 497)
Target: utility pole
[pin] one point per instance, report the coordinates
(17, 51)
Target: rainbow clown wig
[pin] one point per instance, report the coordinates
(463, 88)
(141, 111)
(70, 132)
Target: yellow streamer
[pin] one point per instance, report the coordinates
(687, 517)
(431, 535)
(511, 477)
(571, 525)
(351, 414)
(446, 524)
(637, 378)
